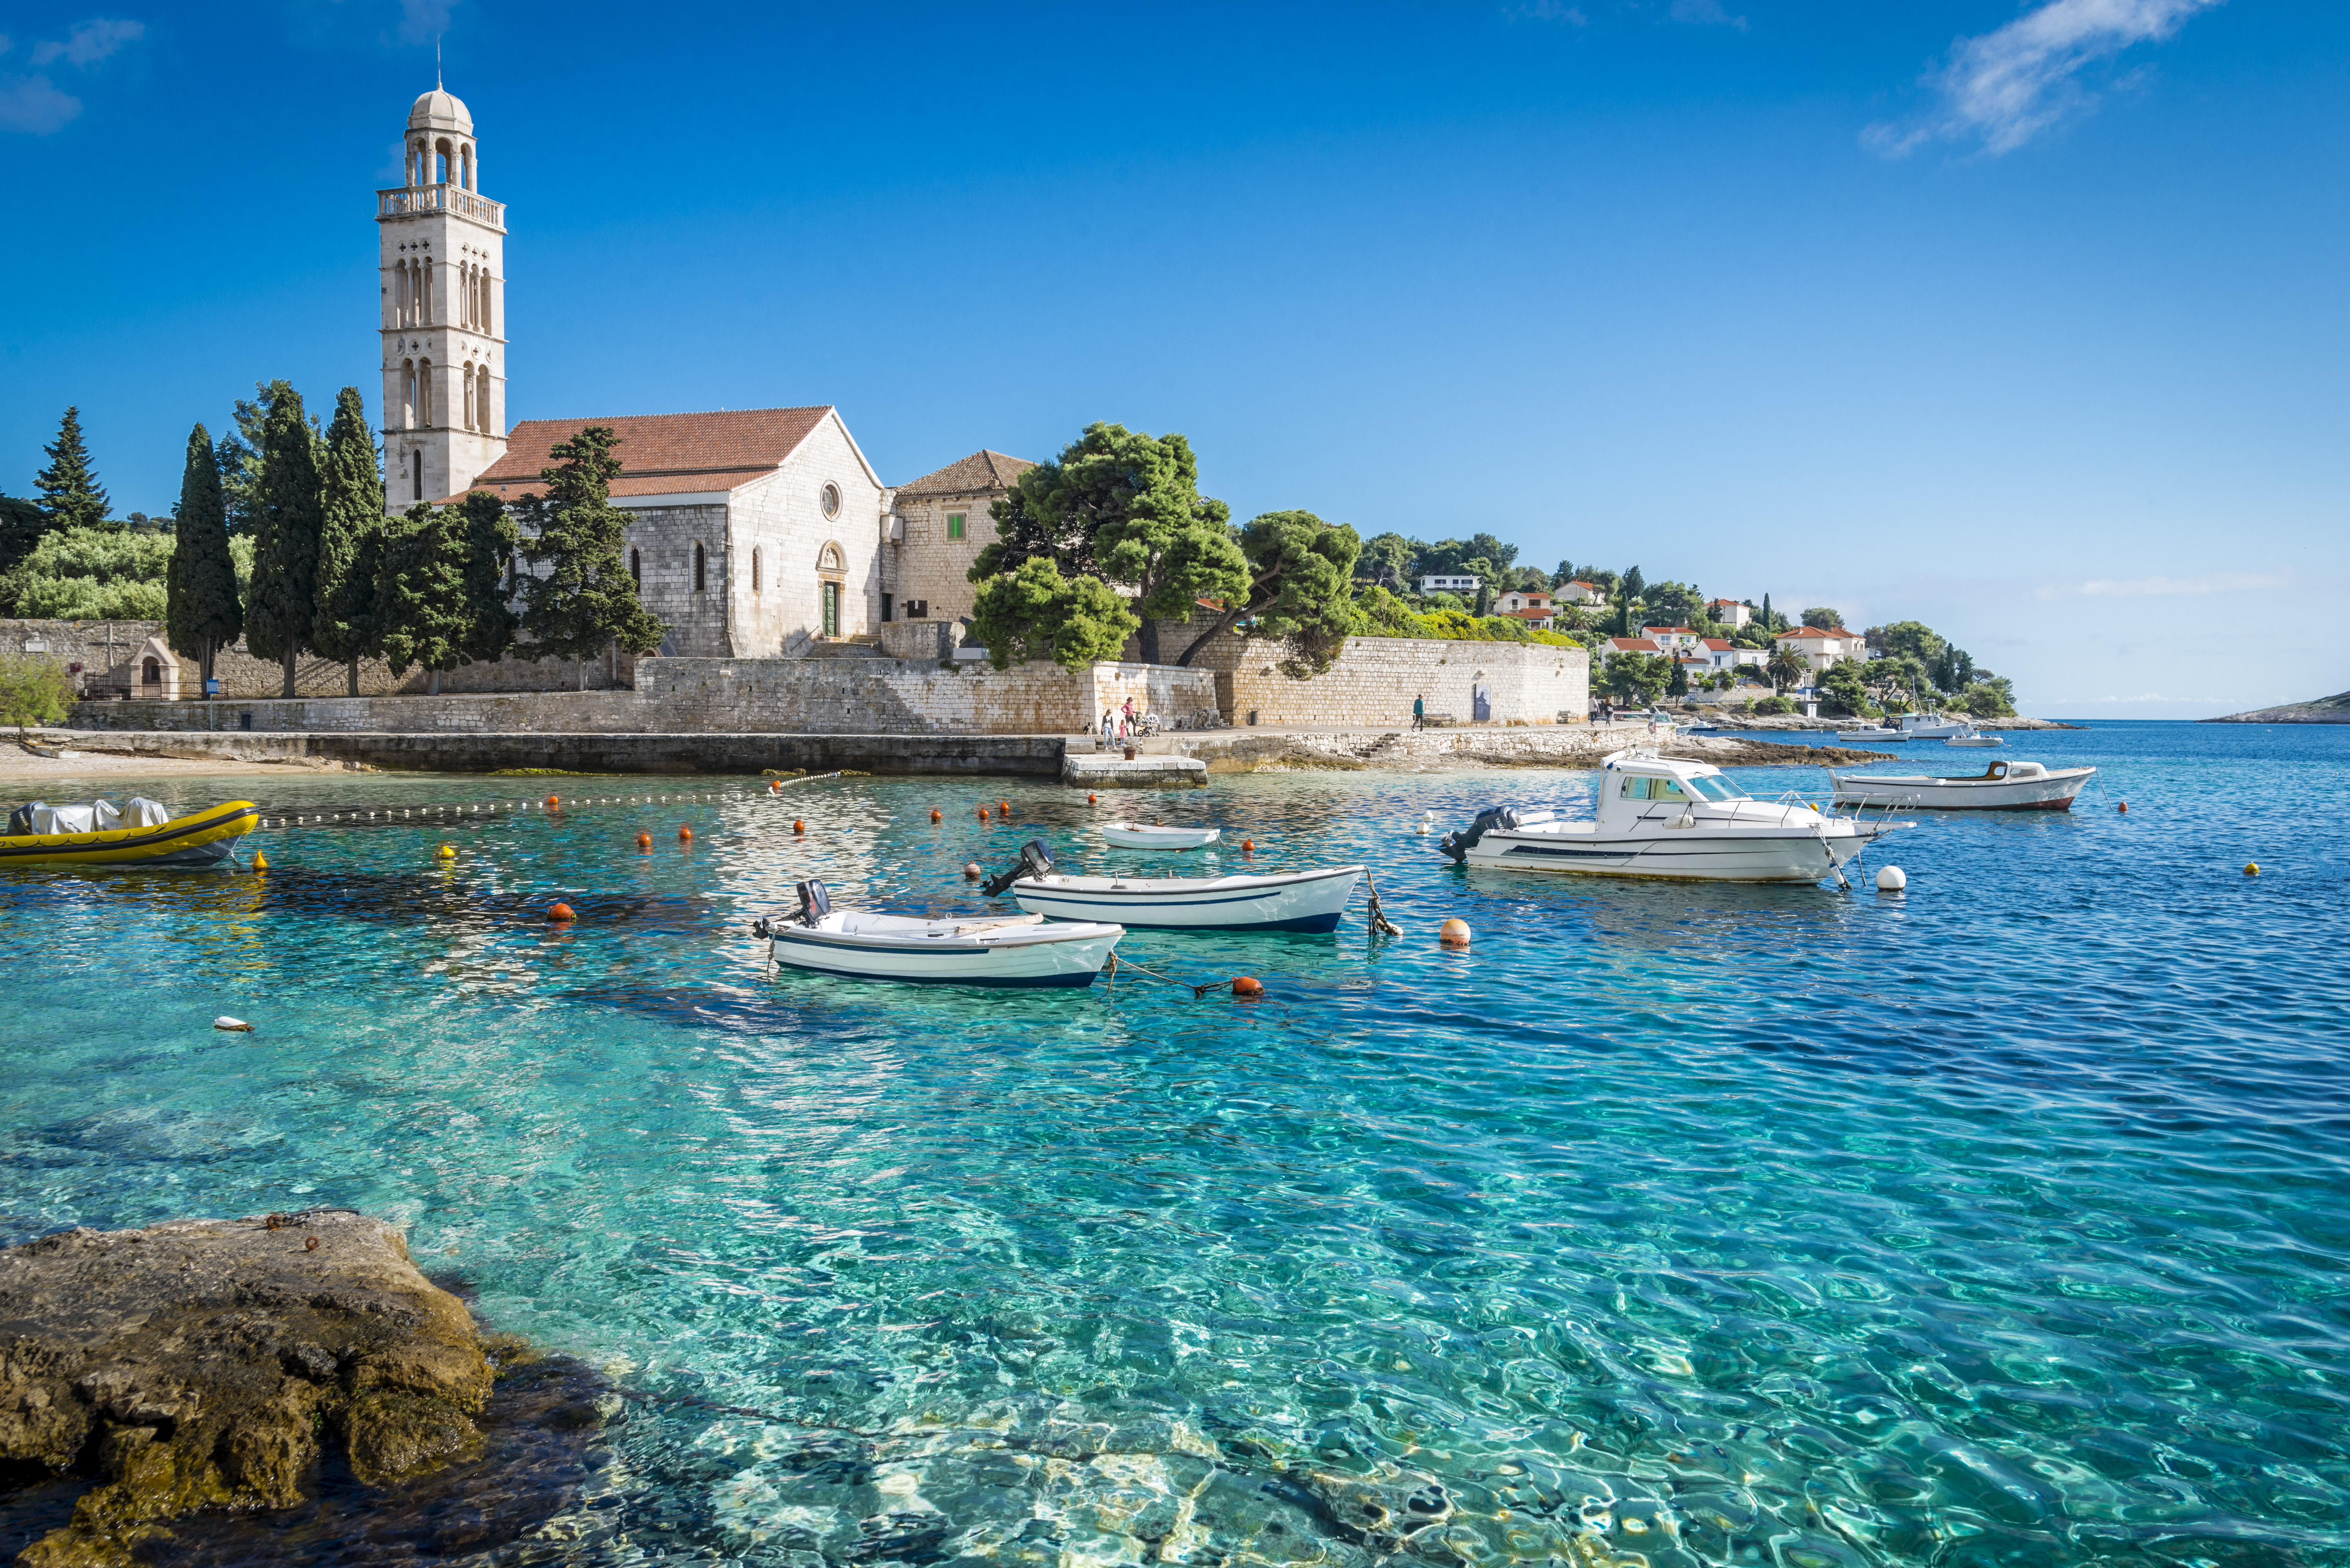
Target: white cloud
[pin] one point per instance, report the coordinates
(422, 21)
(2005, 87)
(1706, 13)
(1548, 11)
(2144, 588)
(89, 42)
(34, 105)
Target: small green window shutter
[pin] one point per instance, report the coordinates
(954, 525)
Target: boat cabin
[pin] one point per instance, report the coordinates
(1636, 787)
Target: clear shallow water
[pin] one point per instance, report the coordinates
(2003, 1221)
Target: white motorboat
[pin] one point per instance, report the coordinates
(1279, 901)
(1933, 727)
(1660, 818)
(1872, 733)
(1155, 835)
(1974, 738)
(1700, 727)
(974, 949)
(2002, 786)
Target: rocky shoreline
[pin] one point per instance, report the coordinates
(1427, 750)
(205, 1367)
(2335, 709)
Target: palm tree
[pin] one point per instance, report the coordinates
(1787, 668)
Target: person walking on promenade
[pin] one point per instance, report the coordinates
(1420, 712)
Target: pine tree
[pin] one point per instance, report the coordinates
(420, 590)
(22, 524)
(585, 599)
(490, 618)
(279, 619)
(203, 615)
(69, 489)
(343, 620)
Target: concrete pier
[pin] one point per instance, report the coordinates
(1160, 770)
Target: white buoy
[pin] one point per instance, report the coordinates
(1891, 879)
(236, 1026)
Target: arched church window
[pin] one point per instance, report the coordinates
(755, 568)
(416, 468)
(699, 565)
(408, 402)
(441, 165)
(486, 328)
(469, 396)
(636, 567)
(424, 394)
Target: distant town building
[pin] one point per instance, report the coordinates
(1586, 596)
(1678, 639)
(1730, 613)
(1721, 654)
(1518, 599)
(1825, 649)
(1616, 645)
(936, 528)
(1449, 585)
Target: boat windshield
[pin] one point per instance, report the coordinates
(1713, 787)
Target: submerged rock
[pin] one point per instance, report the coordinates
(200, 1364)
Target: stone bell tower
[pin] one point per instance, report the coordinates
(442, 258)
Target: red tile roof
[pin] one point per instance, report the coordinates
(1665, 630)
(1734, 604)
(1813, 631)
(1634, 645)
(664, 453)
(1719, 643)
(982, 471)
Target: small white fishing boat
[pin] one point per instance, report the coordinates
(1700, 727)
(2002, 786)
(1872, 733)
(1279, 901)
(1676, 820)
(1155, 835)
(973, 949)
(1974, 738)
(1934, 727)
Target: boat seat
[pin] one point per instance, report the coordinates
(972, 928)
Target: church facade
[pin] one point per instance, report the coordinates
(757, 533)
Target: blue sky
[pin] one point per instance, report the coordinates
(2025, 320)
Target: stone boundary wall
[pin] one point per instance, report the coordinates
(106, 649)
(719, 696)
(1376, 679)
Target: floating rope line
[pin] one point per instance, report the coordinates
(491, 808)
(1379, 923)
(1117, 964)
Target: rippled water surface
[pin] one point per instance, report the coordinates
(2000, 1222)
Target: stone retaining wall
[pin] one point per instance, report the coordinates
(106, 649)
(1376, 679)
(720, 696)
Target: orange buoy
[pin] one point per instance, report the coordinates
(982, 814)
(1248, 986)
(774, 786)
(1453, 933)
(644, 841)
(553, 801)
(1004, 806)
(1248, 846)
(934, 814)
(971, 871)
(683, 831)
(2124, 807)
(1091, 798)
(798, 827)
(561, 913)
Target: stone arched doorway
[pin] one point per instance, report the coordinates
(831, 589)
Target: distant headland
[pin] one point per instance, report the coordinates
(2333, 709)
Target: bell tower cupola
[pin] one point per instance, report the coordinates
(442, 250)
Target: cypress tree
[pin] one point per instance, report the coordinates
(22, 524)
(490, 618)
(69, 489)
(343, 620)
(279, 621)
(422, 590)
(585, 599)
(203, 615)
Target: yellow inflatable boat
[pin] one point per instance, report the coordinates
(203, 839)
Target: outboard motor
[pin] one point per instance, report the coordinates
(816, 902)
(1458, 845)
(1036, 860)
(21, 819)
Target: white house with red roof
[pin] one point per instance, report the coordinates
(1730, 613)
(1680, 639)
(1722, 654)
(1616, 645)
(1824, 648)
(1583, 595)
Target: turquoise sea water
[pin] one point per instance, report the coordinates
(2000, 1222)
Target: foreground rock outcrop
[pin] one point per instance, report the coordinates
(200, 1364)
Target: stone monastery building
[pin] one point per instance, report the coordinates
(754, 533)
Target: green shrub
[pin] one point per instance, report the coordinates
(34, 690)
(1773, 705)
(91, 573)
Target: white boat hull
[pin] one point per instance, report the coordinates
(1693, 854)
(2053, 790)
(1296, 901)
(1137, 835)
(978, 952)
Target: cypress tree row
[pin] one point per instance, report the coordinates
(350, 507)
(68, 487)
(585, 599)
(420, 590)
(280, 619)
(490, 619)
(203, 615)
